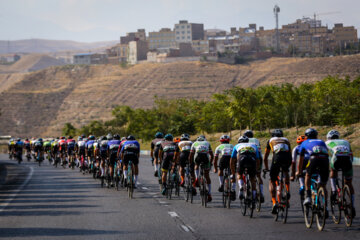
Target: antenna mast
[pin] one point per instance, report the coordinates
(276, 13)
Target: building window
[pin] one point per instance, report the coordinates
(183, 37)
(188, 32)
(183, 32)
(182, 26)
(177, 38)
(188, 26)
(188, 37)
(177, 27)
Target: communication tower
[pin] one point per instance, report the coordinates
(276, 14)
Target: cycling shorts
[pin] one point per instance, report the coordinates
(132, 157)
(224, 162)
(282, 161)
(166, 162)
(246, 161)
(202, 158)
(184, 158)
(343, 163)
(113, 158)
(320, 165)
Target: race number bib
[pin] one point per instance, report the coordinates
(281, 147)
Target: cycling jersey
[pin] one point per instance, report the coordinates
(47, 145)
(19, 146)
(90, 147)
(130, 151)
(223, 152)
(104, 148)
(81, 146)
(246, 155)
(319, 159)
(155, 146)
(341, 156)
(183, 148)
(62, 144)
(201, 150)
(27, 145)
(113, 147)
(168, 149)
(245, 148)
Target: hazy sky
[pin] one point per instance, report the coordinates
(99, 20)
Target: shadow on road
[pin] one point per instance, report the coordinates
(53, 232)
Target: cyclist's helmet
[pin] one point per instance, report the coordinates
(80, 138)
(300, 139)
(243, 139)
(26, 139)
(176, 140)
(333, 134)
(19, 139)
(117, 137)
(130, 137)
(311, 133)
(224, 139)
(102, 138)
(201, 138)
(123, 138)
(184, 137)
(91, 137)
(109, 136)
(277, 133)
(63, 137)
(169, 137)
(249, 133)
(159, 135)
(83, 136)
(69, 137)
(40, 139)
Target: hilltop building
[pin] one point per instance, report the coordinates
(187, 32)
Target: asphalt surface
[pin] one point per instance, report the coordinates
(55, 203)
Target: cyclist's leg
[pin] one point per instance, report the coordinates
(258, 175)
(207, 176)
(240, 176)
(135, 162)
(274, 173)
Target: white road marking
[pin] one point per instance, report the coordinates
(173, 214)
(152, 193)
(3, 205)
(162, 202)
(191, 228)
(186, 229)
(144, 188)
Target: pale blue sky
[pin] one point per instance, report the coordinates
(101, 20)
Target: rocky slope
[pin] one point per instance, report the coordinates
(41, 102)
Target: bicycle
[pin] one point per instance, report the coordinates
(226, 195)
(317, 206)
(258, 196)
(130, 180)
(28, 156)
(247, 202)
(57, 159)
(18, 157)
(117, 175)
(203, 187)
(188, 188)
(342, 203)
(39, 158)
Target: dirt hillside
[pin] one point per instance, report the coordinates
(41, 102)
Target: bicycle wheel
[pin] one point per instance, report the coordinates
(243, 204)
(308, 215)
(347, 205)
(336, 209)
(284, 205)
(130, 183)
(205, 191)
(224, 193)
(250, 201)
(258, 195)
(321, 209)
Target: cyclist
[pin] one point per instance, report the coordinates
(89, 149)
(166, 156)
(318, 159)
(18, 148)
(131, 151)
(27, 147)
(250, 135)
(154, 153)
(70, 144)
(62, 149)
(245, 155)
(47, 147)
(39, 149)
(80, 151)
(341, 158)
(295, 156)
(223, 152)
(199, 154)
(281, 150)
(102, 151)
(113, 146)
(11, 147)
(182, 153)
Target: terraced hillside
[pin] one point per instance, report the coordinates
(41, 102)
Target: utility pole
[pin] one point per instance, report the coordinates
(276, 13)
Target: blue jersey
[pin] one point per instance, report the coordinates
(130, 147)
(314, 147)
(90, 144)
(245, 148)
(113, 146)
(19, 146)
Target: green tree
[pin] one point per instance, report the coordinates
(69, 129)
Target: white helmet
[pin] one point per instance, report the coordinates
(333, 134)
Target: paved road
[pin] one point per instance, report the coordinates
(48, 203)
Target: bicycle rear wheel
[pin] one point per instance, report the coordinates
(130, 184)
(321, 209)
(336, 209)
(284, 205)
(225, 195)
(250, 200)
(347, 205)
(258, 195)
(243, 205)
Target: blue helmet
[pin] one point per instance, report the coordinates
(169, 137)
(159, 135)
